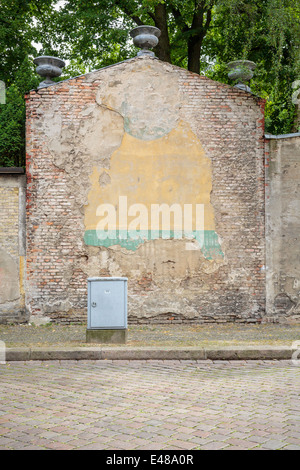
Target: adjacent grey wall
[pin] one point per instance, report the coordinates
(12, 246)
(283, 227)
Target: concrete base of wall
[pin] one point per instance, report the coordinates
(106, 336)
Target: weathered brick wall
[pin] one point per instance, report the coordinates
(12, 248)
(283, 228)
(139, 128)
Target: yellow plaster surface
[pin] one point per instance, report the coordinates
(171, 170)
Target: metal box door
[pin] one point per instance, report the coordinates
(107, 303)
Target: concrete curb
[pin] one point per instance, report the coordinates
(151, 353)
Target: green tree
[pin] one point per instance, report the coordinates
(17, 33)
(15, 37)
(200, 35)
(97, 29)
(191, 29)
(13, 114)
(268, 33)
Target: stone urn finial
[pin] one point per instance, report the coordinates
(48, 67)
(145, 37)
(241, 70)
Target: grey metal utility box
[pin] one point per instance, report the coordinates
(107, 303)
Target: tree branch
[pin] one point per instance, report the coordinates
(204, 4)
(4, 21)
(198, 19)
(129, 13)
(44, 23)
(152, 16)
(179, 18)
(208, 20)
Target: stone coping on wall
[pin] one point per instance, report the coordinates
(282, 136)
(12, 170)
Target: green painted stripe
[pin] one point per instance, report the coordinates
(210, 245)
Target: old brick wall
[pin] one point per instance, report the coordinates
(154, 133)
(283, 228)
(12, 247)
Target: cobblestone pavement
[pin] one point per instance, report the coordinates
(152, 405)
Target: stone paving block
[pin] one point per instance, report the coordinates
(153, 446)
(258, 439)
(214, 446)
(93, 446)
(274, 445)
(119, 444)
(182, 444)
(292, 440)
(30, 447)
(292, 447)
(169, 447)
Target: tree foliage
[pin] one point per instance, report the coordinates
(201, 35)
